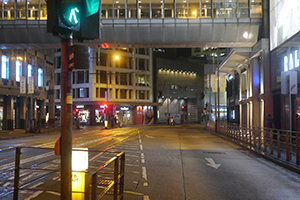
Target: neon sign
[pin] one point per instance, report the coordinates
(292, 61)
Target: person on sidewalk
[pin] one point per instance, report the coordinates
(269, 124)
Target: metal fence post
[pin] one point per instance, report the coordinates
(87, 187)
(287, 141)
(94, 186)
(116, 178)
(297, 149)
(17, 173)
(122, 172)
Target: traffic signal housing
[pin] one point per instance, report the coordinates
(78, 16)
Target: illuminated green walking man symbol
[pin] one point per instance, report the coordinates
(73, 16)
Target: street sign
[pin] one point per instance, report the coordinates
(30, 85)
(22, 85)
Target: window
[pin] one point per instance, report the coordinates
(255, 9)
(131, 8)
(218, 6)
(102, 92)
(103, 77)
(18, 70)
(81, 92)
(40, 77)
(29, 71)
(243, 11)
(194, 9)
(169, 9)
(181, 9)
(80, 77)
(4, 67)
(21, 9)
(230, 6)
(206, 8)
(123, 78)
(156, 6)
(119, 7)
(7, 10)
(106, 9)
(123, 94)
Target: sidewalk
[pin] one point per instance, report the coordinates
(19, 133)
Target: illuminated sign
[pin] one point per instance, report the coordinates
(80, 106)
(291, 61)
(124, 108)
(105, 46)
(284, 21)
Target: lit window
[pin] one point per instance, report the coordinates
(18, 70)
(40, 77)
(81, 92)
(4, 67)
(29, 70)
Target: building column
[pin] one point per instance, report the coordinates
(51, 101)
(9, 112)
(255, 83)
(23, 113)
(92, 115)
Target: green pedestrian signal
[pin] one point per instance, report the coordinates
(72, 11)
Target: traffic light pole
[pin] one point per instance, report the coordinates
(66, 123)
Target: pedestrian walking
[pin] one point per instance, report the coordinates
(269, 124)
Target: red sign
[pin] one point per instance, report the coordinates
(105, 46)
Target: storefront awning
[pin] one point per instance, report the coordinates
(234, 61)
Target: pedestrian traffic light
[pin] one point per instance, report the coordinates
(72, 11)
(78, 16)
(182, 108)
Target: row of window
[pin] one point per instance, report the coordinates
(118, 9)
(76, 93)
(121, 61)
(105, 77)
(18, 71)
(124, 93)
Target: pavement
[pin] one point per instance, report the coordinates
(19, 133)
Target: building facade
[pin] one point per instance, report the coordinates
(118, 83)
(26, 88)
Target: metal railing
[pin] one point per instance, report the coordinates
(116, 183)
(283, 144)
(40, 161)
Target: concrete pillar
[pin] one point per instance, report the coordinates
(9, 112)
(22, 113)
(92, 115)
(255, 86)
(42, 111)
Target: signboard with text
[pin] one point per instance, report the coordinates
(30, 85)
(22, 85)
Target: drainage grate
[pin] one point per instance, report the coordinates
(212, 152)
(105, 182)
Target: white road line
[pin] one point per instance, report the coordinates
(140, 141)
(36, 185)
(135, 172)
(141, 147)
(6, 184)
(145, 184)
(149, 136)
(96, 156)
(34, 195)
(144, 173)
(12, 164)
(55, 193)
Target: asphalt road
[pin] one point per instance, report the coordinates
(162, 162)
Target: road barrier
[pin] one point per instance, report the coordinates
(280, 144)
(35, 165)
